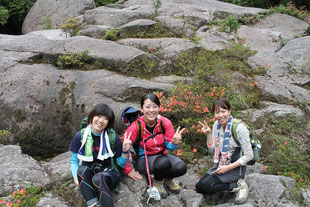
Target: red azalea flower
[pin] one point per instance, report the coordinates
(179, 152)
(195, 150)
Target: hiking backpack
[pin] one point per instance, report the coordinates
(255, 143)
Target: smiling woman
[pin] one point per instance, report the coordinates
(230, 159)
(102, 153)
(158, 136)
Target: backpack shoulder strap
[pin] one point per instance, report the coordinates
(112, 137)
(82, 133)
(162, 126)
(235, 123)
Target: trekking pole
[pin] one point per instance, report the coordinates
(152, 191)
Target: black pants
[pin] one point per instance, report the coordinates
(211, 184)
(163, 166)
(98, 186)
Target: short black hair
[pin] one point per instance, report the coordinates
(152, 97)
(103, 110)
(220, 102)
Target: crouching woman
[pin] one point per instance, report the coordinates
(101, 153)
(230, 159)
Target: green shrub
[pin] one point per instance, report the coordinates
(71, 26)
(73, 60)
(47, 23)
(28, 197)
(4, 133)
(230, 25)
(289, 9)
(4, 15)
(112, 34)
(285, 149)
(104, 2)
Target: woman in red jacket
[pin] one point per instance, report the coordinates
(159, 136)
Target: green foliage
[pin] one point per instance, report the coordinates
(71, 26)
(268, 3)
(104, 2)
(155, 31)
(73, 60)
(4, 133)
(285, 149)
(28, 197)
(112, 34)
(289, 9)
(202, 63)
(4, 15)
(17, 11)
(47, 23)
(157, 5)
(230, 25)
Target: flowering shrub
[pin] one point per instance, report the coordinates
(71, 26)
(185, 107)
(23, 198)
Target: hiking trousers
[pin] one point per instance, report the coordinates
(162, 166)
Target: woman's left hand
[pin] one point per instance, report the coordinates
(177, 136)
(222, 169)
(127, 142)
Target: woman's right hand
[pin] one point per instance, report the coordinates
(76, 182)
(135, 175)
(205, 127)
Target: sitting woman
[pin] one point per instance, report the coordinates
(154, 135)
(230, 159)
(102, 153)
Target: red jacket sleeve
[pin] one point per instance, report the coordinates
(169, 130)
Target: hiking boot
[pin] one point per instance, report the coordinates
(172, 186)
(242, 193)
(160, 186)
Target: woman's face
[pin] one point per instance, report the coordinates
(150, 111)
(222, 115)
(99, 123)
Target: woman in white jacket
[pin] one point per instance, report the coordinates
(229, 164)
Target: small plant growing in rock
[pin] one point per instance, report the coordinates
(71, 27)
(112, 34)
(28, 197)
(230, 25)
(47, 23)
(4, 133)
(73, 60)
(157, 4)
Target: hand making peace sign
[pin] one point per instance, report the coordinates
(205, 127)
(177, 136)
(127, 142)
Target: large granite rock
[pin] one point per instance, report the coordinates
(19, 171)
(57, 11)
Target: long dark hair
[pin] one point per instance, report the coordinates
(103, 110)
(152, 97)
(220, 102)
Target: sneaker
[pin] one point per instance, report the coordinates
(242, 193)
(172, 186)
(235, 190)
(160, 186)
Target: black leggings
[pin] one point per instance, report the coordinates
(97, 186)
(163, 166)
(212, 184)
